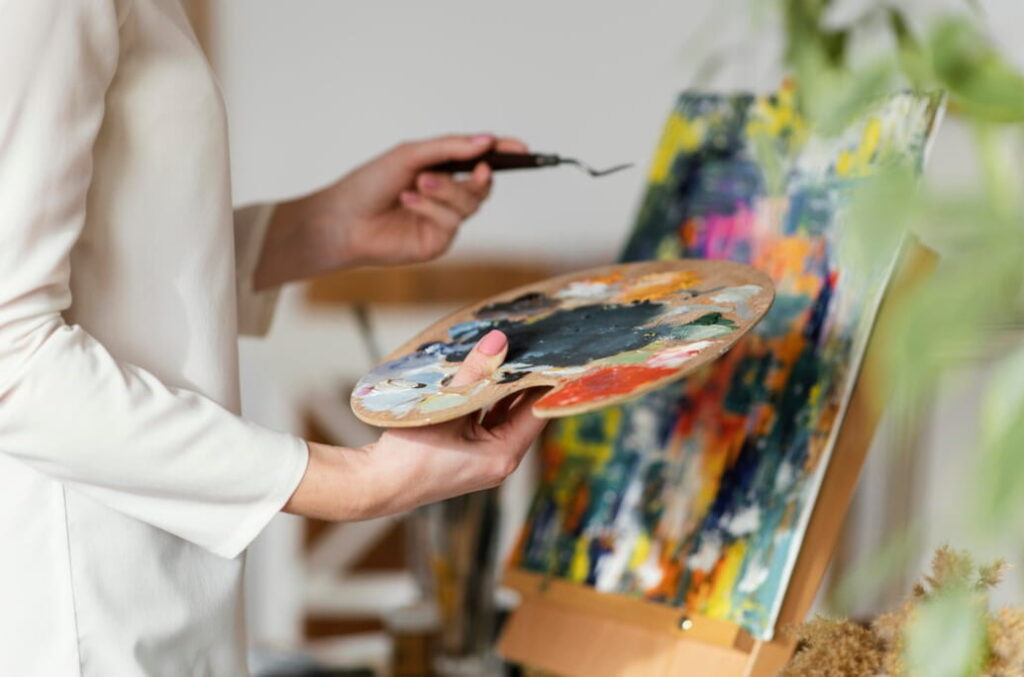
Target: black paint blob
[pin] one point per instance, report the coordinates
(512, 376)
(527, 303)
(568, 338)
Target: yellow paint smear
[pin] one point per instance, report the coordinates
(580, 565)
(641, 551)
(680, 134)
(720, 599)
(858, 161)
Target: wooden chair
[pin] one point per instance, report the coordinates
(707, 513)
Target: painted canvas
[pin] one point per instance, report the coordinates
(698, 495)
(595, 337)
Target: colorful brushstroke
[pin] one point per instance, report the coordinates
(697, 495)
(595, 339)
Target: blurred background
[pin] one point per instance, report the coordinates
(313, 88)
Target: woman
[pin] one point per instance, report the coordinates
(129, 486)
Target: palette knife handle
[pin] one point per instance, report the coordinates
(498, 161)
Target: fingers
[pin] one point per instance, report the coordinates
(512, 439)
(441, 198)
(419, 155)
(464, 197)
(438, 212)
(498, 412)
(486, 356)
(508, 144)
(480, 179)
(521, 427)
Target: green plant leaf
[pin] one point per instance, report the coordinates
(980, 81)
(854, 94)
(999, 483)
(806, 31)
(1002, 171)
(881, 209)
(947, 636)
(912, 57)
(943, 321)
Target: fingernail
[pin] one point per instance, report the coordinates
(409, 196)
(493, 343)
(430, 182)
(482, 139)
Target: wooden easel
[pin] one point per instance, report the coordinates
(574, 630)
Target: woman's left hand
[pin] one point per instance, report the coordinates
(387, 211)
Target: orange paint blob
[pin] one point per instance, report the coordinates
(657, 286)
(604, 383)
(611, 278)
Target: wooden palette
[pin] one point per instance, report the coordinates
(596, 338)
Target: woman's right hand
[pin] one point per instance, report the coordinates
(410, 467)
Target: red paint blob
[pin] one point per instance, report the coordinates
(601, 384)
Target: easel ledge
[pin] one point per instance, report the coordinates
(675, 623)
(573, 630)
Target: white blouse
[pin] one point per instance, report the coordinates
(129, 486)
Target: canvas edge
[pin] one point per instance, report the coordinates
(938, 106)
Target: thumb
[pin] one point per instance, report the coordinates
(486, 356)
(420, 154)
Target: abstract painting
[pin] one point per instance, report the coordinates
(697, 495)
(594, 337)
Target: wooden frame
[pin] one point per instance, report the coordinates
(572, 630)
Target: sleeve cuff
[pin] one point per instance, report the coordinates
(293, 468)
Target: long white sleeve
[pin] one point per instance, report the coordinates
(68, 407)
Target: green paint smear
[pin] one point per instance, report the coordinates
(701, 332)
(631, 357)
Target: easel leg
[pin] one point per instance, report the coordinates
(767, 658)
